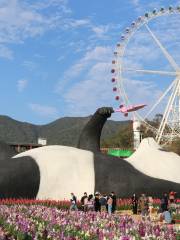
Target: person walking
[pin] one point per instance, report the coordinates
(134, 201)
(166, 217)
(84, 200)
(150, 203)
(172, 196)
(73, 202)
(114, 202)
(90, 203)
(143, 204)
(109, 203)
(103, 202)
(164, 202)
(97, 206)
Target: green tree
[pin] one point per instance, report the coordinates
(174, 146)
(123, 138)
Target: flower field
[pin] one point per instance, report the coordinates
(40, 220)
(122, 204)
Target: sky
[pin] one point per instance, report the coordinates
(55, 56)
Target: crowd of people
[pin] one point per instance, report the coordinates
(144, 206)
(98, 202)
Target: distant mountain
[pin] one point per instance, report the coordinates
(64, 131)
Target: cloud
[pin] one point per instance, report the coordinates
(20, 20)
(57, 4)
(44, 110)
(100, 30)
(99, 53)
(5, 52)
(135, 2)
(22, 84)
(92, 92)
(79, 22)
(95, 31)
(86, 85)
(39, 56)
(137, 6)
(29, 65)
(91, 57)
(142, 6)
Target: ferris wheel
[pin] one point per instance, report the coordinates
(169, 127)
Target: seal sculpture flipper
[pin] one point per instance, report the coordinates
(90, 136)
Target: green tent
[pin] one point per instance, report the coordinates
(120, 152)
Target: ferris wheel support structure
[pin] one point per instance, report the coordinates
(168, 110)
